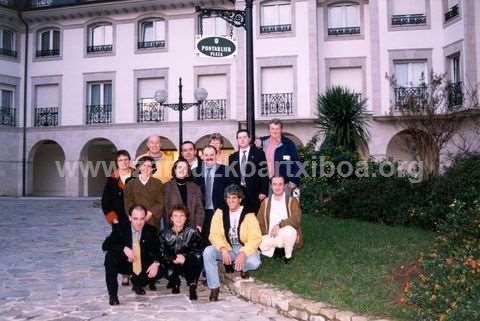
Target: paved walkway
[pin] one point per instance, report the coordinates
(51, 268)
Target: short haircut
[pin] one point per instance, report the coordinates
(216, 136)
(137, 207)
(188, 142)
(144, 159)
(210, 146)
(234, 189)
(181, 160)
(243, 131)
(120, 153)
(277, 176)
(275, 121)
(179, 208)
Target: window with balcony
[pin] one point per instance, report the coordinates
(215, 106)
(48, 43)
(411, 78)
(99, 107)
(455, 86)
(213, 26)
(277, 91)
(152, 34)
(7, 43)
(276, 16)
(7, 107)
(100, 38)
(452, 10)
(408, 12)
(46, 109)
(148, 109)
(344, 19)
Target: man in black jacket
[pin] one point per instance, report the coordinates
(251, 172)
(134, 250)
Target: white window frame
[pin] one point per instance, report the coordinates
(50, 40)
(455, 68)
(14, 41)
(91, 30)
(276, 4)
(216, 33)
(410, 80)
(7, 89)
(154, 21)
(102, 91)
(344, 6)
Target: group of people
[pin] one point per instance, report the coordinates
(211, 210)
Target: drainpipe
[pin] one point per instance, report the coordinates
(24, 128)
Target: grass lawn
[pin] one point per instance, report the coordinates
(350, 264)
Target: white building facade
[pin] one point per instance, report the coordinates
(82, 84)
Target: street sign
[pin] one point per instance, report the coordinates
(216, 47)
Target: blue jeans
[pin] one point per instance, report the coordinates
(211, 256)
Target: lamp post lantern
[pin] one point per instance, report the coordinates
(241, 18)
(161, 96)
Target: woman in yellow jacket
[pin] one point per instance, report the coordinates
(235, 237)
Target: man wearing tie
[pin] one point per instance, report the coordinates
(250, 164)
(132, 250)
(212, 178)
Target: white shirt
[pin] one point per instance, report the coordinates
(278, 212)
(194, 164)
(142, 181)
(124, 177)
(240, 153)
(234, 221)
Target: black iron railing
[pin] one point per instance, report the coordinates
(48, 53)
(150, 112)
(46, 117)
(275, 28)
(151, 44)
(212, 109)
(101, 48)
(455, 94)
(99, 114)
(409, 96)
(452, 13)
(8, 117)
(343, 31)
(409, 19)
(8, 52)
(277, 104)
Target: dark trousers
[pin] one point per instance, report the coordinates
(207, 222)
(116, 263)
(190, 270)
(251, 202)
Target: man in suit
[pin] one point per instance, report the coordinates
(132, 250)
(212, 178)
(251, 171)
(189, 153)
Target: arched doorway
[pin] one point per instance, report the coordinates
(403, 149)
(47, 160)
(170, 155)
(97, 161)
(298, 143)
(227, 150)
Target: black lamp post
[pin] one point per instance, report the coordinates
(161, 96)
(241, 18)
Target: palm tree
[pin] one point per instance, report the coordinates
(342, 119)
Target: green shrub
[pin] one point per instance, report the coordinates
(448, 287)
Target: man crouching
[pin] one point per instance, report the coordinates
(132, 250)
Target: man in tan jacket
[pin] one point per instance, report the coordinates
(162, 164)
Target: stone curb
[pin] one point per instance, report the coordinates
(288, 303)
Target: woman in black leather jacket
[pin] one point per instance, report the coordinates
(181, 246)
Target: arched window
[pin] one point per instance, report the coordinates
(152, 33)
(100, 38)
(7, 42)
(48, 43)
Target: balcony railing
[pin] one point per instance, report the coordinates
(277, 104)
(46, 117)
(7, 117)
(455, 94)
(48, 53)
(452, 13)
(101, 48)
(275, 28)
(409, 19)
(343, 31)
(151, 44)
(37, 4)
(212, 109)
(8, 52)
(99, 114)
(405, 96)
(150, 112)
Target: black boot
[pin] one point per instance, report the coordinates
(176, 288)
(214, 294)
(138, 290)
(193, 292)
(114, 300)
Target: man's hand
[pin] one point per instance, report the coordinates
(261, 197)
(180, 259)
(240, 261)
(258, 143)
(129, 253)
(199, 228)
(152, 270)
(227, 260)
(115, 221)
(274, 231)
(149, 216)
